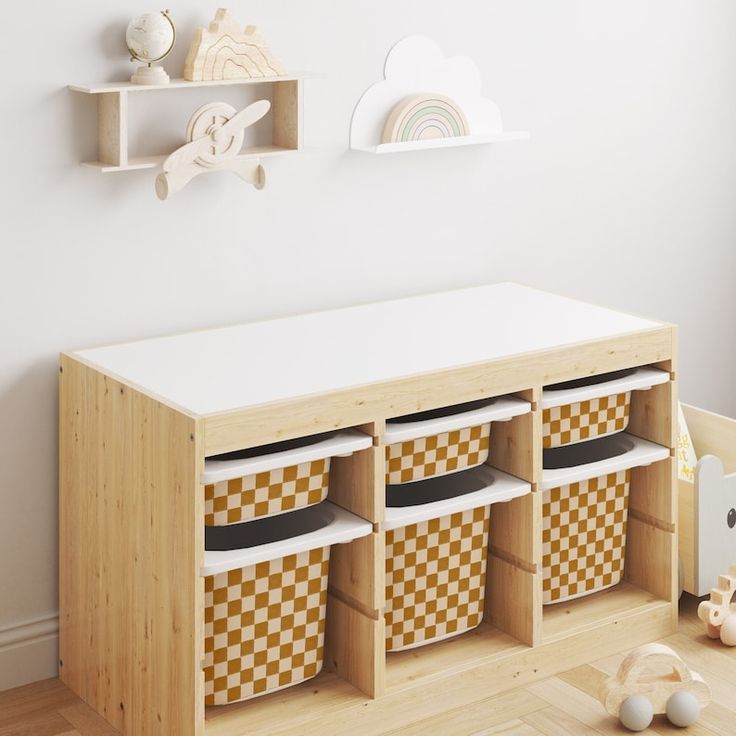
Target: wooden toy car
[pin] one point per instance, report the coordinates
(640, 690)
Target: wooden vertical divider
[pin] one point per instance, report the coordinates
(355, 640)
(513, 581)
(112, 125)
(286, 112)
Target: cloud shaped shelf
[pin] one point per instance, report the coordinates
(426, 101)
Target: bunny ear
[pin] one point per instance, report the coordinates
(251, 114)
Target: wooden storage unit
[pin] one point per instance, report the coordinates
(138, 420)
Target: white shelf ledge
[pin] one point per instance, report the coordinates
(467, 140)
(106, 87)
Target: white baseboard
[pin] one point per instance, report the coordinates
(29, 651)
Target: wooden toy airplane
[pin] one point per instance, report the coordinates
(215, 136)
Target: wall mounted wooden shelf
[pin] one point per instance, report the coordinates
(113, 99)
(137, 422)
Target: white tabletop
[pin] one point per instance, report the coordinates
(259, 362)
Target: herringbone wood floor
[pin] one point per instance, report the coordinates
(565, 705)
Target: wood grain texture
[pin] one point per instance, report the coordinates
(357, 483)
(651, 560)
(515, 531)
(112, 128)
(712, 434)
(131, 541)
(329, 706)
(354, 647)
(653, 414)
(287, 114)
(514, 600)
(228, 431)
(358, 573)
(687, 534)
(513, 445)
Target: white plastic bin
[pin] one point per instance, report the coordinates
(265, 600)
(436, 553)
(585, 509)
(273, 479)
(594, 406)
(442, 441)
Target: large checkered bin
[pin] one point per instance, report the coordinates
(594, 406)
(446, 440)
(265, 604)
(436, 554)
(585, 500)
(273, 479)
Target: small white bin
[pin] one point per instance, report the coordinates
(436, 554)
(442, 441)
(265, 603)
(594, 406)
(273, 479)
(584, 513)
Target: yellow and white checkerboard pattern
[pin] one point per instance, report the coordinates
(439, 454)
(584, 536)
(584, 420)
(265, 494)
(264, 626)
(435, 578)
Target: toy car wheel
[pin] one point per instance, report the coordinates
(636, 713)
(682, 708)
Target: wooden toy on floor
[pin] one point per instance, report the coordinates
(719, 613)
(638, 691)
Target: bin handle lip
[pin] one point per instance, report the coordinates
(641, 379)
(502, 408)
(342, 527)
(344, 442)
(501, 487)
(641, 452)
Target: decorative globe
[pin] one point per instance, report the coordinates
(150, 37)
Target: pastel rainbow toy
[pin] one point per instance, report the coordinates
(425, 117)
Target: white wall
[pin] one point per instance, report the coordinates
(623, 196)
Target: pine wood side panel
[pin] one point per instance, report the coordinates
(351, 407)
(131, 545)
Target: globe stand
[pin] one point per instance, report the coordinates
(150, 74)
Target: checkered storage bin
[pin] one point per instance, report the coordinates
(442, 441)
(584, 513)
(273, 479)
(594, 406)
(265, 604)
(436, 554)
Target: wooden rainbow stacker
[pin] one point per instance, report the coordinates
(138, 422)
